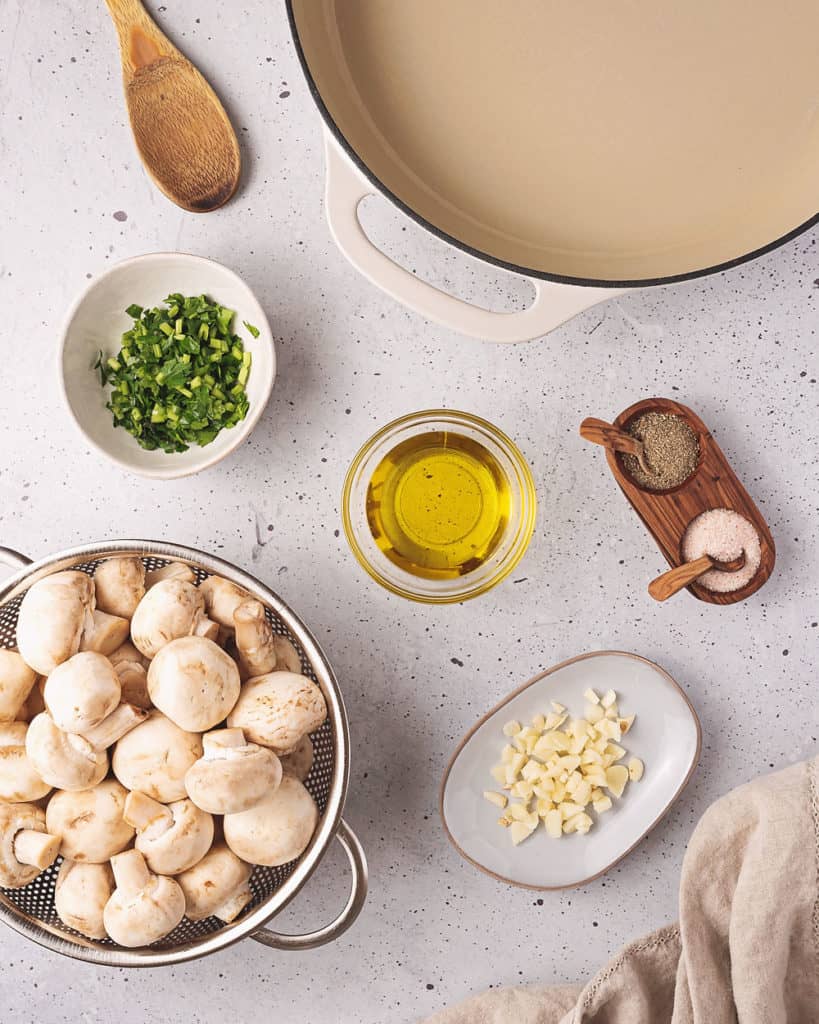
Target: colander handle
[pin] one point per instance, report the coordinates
(13, 559)
(358, 894)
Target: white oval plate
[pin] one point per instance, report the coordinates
(665, 736)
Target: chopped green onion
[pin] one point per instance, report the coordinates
(180, 375)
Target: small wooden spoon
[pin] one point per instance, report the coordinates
(182, 132)
(675, 579)
(609, 436)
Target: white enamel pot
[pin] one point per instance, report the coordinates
(589, 148)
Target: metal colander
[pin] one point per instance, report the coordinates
(30, 910)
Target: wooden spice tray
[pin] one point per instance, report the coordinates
(713, 484)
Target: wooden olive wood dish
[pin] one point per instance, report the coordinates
(713, 484)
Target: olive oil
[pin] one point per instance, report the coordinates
(438, 505)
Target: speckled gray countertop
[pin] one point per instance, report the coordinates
(741, 348)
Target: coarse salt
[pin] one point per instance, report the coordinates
(724, 535)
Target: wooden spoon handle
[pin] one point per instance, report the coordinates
(671, 582)
(140, 41)
(609, 436)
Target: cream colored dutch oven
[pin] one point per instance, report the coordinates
(591, 146)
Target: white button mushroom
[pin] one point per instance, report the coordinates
(82, 691)
(62, 759)
(34, 704)
(222, 598)
(122, 719)
(170, 609)
(277, 829)
(259, 649)
(26, 848)
(17, 680)
(277, 709)
(80, 894)
(171, 571)
(232, 775)
(104, 633)
(120, 585)
(91, 822)
(19, 780)
(300, 760)
(131, 667)
(194, 683)
(143, 907)
(52, 616)
(154, 757)
(217, 886)
(171, 838)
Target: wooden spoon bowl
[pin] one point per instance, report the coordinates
(181, 130)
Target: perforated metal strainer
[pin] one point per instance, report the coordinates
(30, 910)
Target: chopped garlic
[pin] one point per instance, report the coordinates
(616, 779)
(635, 769)
(498, 799)
(558, 768)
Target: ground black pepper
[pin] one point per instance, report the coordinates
(671, 450)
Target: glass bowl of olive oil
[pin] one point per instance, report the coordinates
(439, 506)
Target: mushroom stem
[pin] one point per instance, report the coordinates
(222, 739)
(121, 720)
(207, 628)
(234, 904)
(130, 872)
(254, 639)
(144, 813)
(38, 849)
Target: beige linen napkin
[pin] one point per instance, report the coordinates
(746, 950)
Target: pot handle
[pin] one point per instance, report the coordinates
(13, 559)
(353, 907)
(554, 303)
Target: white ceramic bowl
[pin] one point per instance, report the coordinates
(665, 736)
(97, 321)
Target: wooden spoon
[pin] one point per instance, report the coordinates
(675, 579)
(609, 436)
(182, 132)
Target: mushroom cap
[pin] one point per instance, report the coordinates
(194, 683)
(82, 691)
(279, 708)
(51, 619)
(19, 780)
(180, 846)
(222, 598)
(214, 881)
(154, 757)
(120, 585)
(170, 609)
(228, 779)
(277, 829)
(17, 680)
(80, 894)
(90, 822)
(287, 657)
(61, 759)
(300, 759)
(15, 818)
(138, 917)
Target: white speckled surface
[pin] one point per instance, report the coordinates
(741, 348)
